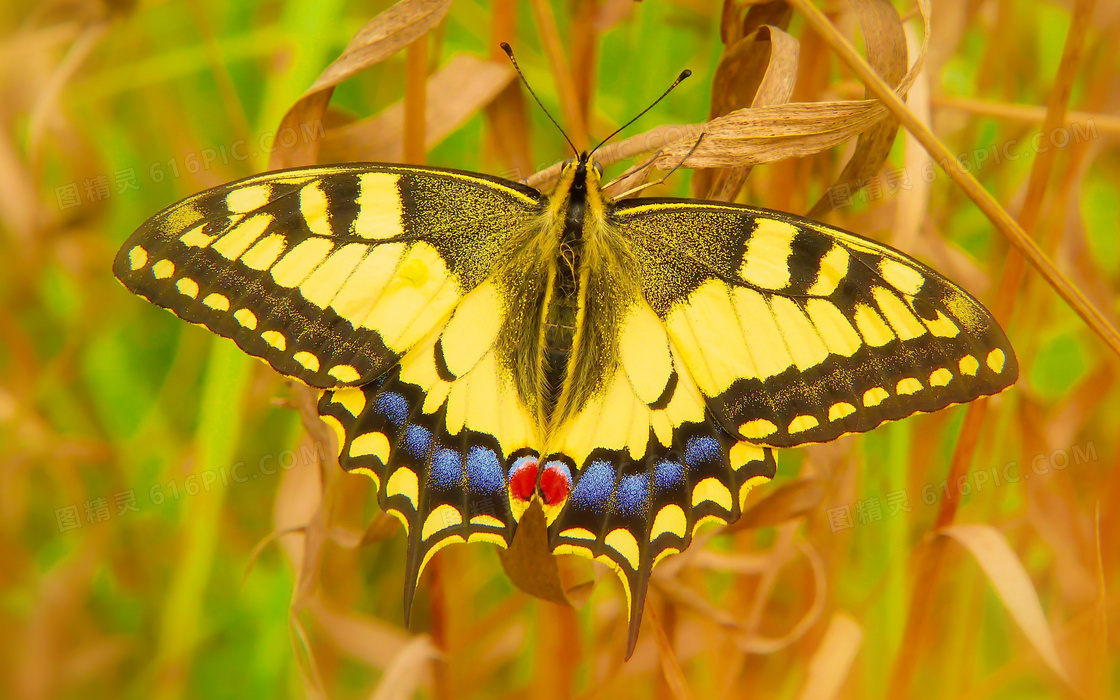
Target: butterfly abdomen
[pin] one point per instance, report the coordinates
(561, 313)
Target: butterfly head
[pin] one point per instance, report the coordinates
(584, 171)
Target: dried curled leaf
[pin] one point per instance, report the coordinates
(765, 134)
(380, 38)
(758, 67)
(886, 52)
(455, 93)
(780, 53)
(531, 566)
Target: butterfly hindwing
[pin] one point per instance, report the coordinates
(796, 332)
(439, 434)
(646, 462)
(330, 273)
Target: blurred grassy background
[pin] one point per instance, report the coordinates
(142, 460)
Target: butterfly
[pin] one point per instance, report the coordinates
(630, 365)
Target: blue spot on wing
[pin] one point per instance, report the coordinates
(417, 440)
(700, 451)
(484, 471)
(632, 496)
(667, 474)
(447, 469)
(393, 406)
(593, 491)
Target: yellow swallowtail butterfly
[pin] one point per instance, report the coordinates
(630, 365)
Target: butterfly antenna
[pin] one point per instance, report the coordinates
(684, 74)
(509, 52)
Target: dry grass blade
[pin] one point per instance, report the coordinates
(455, 92)
(753, 563)
(47, 100)
(561, 73)
(832, 661)
(415, 101)
(690, 599)
(1108, 124)
(508, 133)
(1100, 619)
(1013, 585)
(781, 504)
(670, 666)
(755, 643)
(380, 38)
(260, 546)
(360, 637)
(318, 527)
(17, 207)
(972, 187)
(913, 203)
(1056, 106)
(403, 675)
(886, 52)
(1012, 279)
(305, 659)
(932, 558)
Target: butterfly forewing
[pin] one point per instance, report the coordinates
(330, 274)
(796, 332)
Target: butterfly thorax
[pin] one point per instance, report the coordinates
(581, 276)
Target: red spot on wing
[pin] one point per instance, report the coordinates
(523, 479)
(555, 483)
